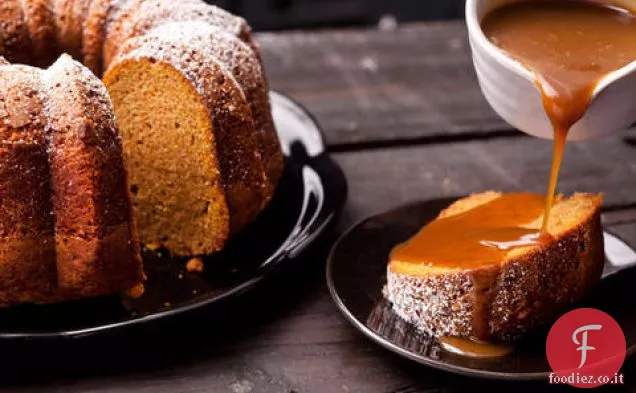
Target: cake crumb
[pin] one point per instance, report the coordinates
(195, 265)
(135, 292)
(242, 386)
(152, 246)
(388, 22)
(167, 304)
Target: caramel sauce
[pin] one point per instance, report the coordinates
(474, 348)
(477, 237)
(569, 46)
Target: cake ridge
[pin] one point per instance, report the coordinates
(154, 13)
(97, 250)
(14, 33)
(24, 218)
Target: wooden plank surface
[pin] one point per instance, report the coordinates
(380, 179)
(416, 82)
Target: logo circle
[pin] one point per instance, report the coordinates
(585, 348)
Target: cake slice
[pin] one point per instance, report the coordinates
(501, 300)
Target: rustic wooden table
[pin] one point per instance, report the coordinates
(404, 117)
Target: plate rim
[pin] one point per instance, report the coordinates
(388, 345)
(237, 290)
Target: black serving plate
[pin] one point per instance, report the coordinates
(308, 198)
(356, 274)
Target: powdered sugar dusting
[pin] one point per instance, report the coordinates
(214, 42)
(154, 13)
(137, 17)
(439, 305)
(239, 61)
(180, 56)
(21, 102)
(90, 93)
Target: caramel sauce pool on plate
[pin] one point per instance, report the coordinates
(569, 46)
(474, 348)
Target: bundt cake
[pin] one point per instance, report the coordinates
(196, 137)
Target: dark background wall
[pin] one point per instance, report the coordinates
(286, 14)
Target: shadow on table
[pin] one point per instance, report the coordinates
(166, 344)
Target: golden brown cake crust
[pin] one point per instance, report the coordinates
(15, 43)
(27, 252)
(41, 24)
(65, 32)
(526, 291)
(134, 18)
(93, 35)
(90, 192)
(65, 229)
(119, 25)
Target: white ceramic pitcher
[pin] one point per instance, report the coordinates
(510, 89)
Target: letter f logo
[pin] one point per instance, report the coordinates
(571, 339)
(584, 347)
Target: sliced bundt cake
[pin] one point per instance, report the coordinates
(145, 42)
(191, 99)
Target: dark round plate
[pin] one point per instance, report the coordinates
(356, 274)
(309, 196)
